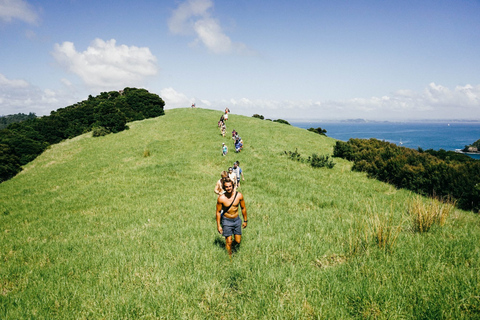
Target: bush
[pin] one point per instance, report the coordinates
(281, 121)
(418, 171)
(314, 160)
(100, 132)
(259, 116)
(320, 161)
(318, 130)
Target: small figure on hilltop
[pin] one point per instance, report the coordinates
(225, 116)
(238, 172)
(219, 186)
(224, 149)
(229, 223)
(193, 105)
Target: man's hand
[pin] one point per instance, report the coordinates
(220, 230)
(244, 225)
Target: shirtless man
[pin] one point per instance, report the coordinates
(229, 223)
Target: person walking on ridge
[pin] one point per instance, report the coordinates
(229, 223)
(238, 172)
(219, 186)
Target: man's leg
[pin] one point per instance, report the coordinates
(228, 244)
(238, 238)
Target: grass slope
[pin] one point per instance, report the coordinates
(93, 229)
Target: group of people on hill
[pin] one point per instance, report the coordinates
(229, 223)
(235, 174)
(237, 140)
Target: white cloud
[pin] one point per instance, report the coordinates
(193, 17)
(17, 9)
(183, 19)
(19, 96)
(174, 99)
(104, 65)
(434, 102)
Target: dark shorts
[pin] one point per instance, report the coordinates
(231, 226)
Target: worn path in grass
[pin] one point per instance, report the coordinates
(93, 228)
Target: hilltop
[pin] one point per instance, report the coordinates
(123, 226)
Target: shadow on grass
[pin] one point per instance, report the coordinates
(220, 242)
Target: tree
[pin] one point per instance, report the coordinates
(318, 130)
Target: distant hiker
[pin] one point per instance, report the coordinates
(228, 220)
(219, 186)
(227, 110)
(224, 149)
(232, 176)
(234, 133)
(225, 116)
(238, 144)
(224, 129)
(238, 172)
(193, 105)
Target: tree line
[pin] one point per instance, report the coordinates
(431, 173)
(21, 142)
(13, 118)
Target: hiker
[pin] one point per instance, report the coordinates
(238, 172)
(224, 149)
(228, 220)
(225, 116)
(219, 186)
(238, 145)
(234, 133)
(232, 176)
(224, 129)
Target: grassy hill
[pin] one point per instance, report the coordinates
(123, 227)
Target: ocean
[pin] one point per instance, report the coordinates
(447, 136)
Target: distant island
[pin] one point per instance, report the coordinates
(473, 148)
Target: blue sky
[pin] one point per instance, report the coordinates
(297, 60)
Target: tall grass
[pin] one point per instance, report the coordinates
(425, 214)
(93, 229)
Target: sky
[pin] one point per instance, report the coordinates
(294, 60)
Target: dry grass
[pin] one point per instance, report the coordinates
(383, 229)
(146, 153)
(425, 215)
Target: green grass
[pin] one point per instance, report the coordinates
(98, 228)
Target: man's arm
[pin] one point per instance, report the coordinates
(218, 188)
(244, 211)
(218, 215)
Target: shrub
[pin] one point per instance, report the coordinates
(100, 131)
(314, 160)
(320, 161)
(281, 121)
(418, 171)
(293, 155)
(259, 116)
(319, 131)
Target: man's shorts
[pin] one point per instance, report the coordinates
(231, 226)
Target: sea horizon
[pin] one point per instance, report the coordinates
(446, 135)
